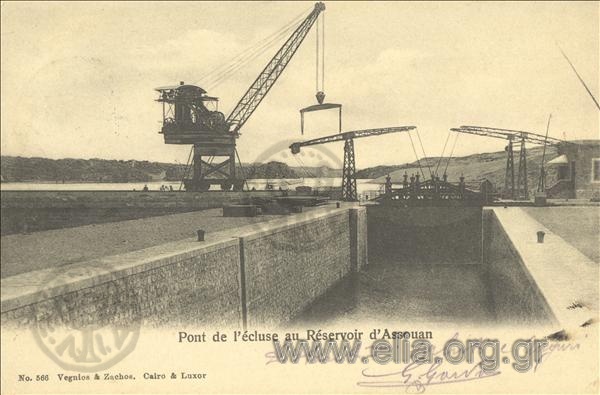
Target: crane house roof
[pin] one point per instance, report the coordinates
(185, 89)
(181, 87)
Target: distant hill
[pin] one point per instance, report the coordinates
(15, 169)
(269, 170)
(475, 168)
(20, 169)
(320, 171)
(378, 171)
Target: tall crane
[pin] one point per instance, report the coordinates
(520, 190)
(192, 117)
(349, 192)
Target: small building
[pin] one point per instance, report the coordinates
(577, 170)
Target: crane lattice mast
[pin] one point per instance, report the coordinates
(520, 189)
(349, 192)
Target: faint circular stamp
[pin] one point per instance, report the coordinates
(324, 158)
(85, 318)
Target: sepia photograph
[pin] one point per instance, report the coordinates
(300, 197)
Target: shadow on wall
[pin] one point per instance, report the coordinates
(424, 235)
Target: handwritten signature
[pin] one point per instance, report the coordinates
(417, 377)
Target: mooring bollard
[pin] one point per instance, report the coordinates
(337, 204)
(540, 236)
(201, 235)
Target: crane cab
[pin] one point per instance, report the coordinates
(192, 117)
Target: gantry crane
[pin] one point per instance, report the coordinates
(192, 117)
(514, 137)
(348, 175)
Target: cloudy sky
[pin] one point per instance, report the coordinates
(78, 78)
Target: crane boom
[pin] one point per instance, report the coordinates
(295, 147)
(349, 191)
(520, 189)
(265, 80)
(508, 134)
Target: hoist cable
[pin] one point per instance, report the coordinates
(228, 68)
(303, 166)
(240, 60)
(261, 43)
(225, 74)
(320, 53)
(317, 58)
(416, 155)
(579, 77)
(186, 168)
(442, 154)
(306, 171)
(323, 55)
(242, 169)
(424, 154)
(451, 152)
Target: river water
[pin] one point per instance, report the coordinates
(364, 187)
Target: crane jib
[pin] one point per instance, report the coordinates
(263, 83)
(295, 147)
(508, 134)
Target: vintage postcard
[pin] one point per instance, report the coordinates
(300, 197)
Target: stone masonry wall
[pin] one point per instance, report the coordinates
(358, 233)
(196, 288)
(250, 276)
(288, 268)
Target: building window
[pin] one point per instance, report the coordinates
(596, 170)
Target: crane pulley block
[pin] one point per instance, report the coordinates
(320, 79)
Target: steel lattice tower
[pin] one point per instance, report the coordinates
(348, 177)
(522, 184)
(349, 192)
(509, 180)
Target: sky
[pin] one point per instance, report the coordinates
(78, 79)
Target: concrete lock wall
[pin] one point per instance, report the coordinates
(254, 275)
(29, 211)
(424, 235)
(550, 283)
(512, 288)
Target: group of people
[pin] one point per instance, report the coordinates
(163, 188)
